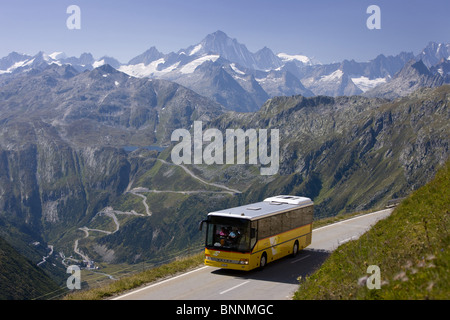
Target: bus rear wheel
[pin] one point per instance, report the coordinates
(295, 249)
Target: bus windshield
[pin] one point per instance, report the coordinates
(228, 233)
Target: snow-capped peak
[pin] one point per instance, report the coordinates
(57, 55)
(98, 63)
(196, 49)
(288, 57)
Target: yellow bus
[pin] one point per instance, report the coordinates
(250, 236)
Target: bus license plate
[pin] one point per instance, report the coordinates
(224, 265)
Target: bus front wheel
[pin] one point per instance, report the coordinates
(263, 261)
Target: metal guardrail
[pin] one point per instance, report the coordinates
(393, 202)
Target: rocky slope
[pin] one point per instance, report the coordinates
(348, 153)
(103, 105)
(63, 142)
(412, 76)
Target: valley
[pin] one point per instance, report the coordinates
(113, 214)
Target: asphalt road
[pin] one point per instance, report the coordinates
(278, 281)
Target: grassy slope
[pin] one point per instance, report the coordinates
(411, 247)
(19, 278)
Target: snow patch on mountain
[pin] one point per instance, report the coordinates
(365, 83)
(191, 66)
(98, 63)
(19, 64)
(57, 55)
(235, 69)
(287, 57)
(141, 70)
(336, 75)
(196, 49)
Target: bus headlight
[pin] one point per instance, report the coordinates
(243, 261)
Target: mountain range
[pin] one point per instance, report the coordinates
(224, 70)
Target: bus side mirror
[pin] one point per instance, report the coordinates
(252, 233)
(200, 226)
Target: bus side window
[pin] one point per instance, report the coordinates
(253, 235)
(296, 218)
(264, 228)
(276, 225)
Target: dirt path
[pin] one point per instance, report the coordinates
(229, 190)
(144, 199)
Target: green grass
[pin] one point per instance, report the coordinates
(411, 248)
(21, 279)
(339, 217)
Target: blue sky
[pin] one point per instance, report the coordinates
(329, 30)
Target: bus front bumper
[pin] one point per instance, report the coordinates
(234, 263)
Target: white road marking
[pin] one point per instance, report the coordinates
(347, 220)
(301, 258)
(158, 283)
(347, 240)
(234, 287)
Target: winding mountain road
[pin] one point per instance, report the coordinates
(228, 190)
(137, 191)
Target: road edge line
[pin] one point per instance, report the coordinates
(158, 283)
